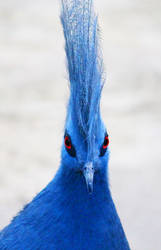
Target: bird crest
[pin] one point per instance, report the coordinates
(85, 65)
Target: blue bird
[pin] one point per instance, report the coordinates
(75, 211)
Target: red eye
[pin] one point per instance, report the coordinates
(67, 142)
(106, 142)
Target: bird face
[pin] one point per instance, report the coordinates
(85, 155)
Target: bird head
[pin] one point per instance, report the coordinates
(85, 155)
(85, 142)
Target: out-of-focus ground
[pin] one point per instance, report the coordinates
(33, 97)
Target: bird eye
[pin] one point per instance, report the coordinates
(67, 142)
(69, 146)
(106, 142)
(104, 145)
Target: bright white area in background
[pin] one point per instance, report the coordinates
(33, 96)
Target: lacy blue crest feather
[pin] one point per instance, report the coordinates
(84, 61)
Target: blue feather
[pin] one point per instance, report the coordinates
(75, 211)
(85, 63)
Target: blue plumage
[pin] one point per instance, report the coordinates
(85, 64)
(75, 211)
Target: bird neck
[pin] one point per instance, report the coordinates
(86, 215)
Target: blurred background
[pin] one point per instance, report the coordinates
(33, 98)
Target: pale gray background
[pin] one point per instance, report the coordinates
(33, 96)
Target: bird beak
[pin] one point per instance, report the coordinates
(88, 172)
